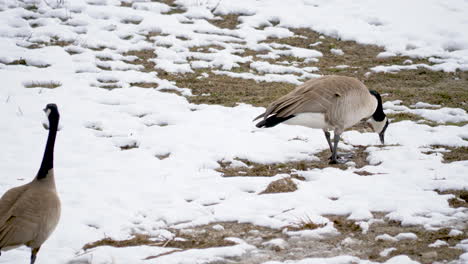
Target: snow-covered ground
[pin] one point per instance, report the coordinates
(107, 192)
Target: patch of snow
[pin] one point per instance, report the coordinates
(455, 232)
(406, 236)
(424, 105)
(386, 237)
(438, 243)
(337, 52)
(276, 243)
(218, 227)
(385, 54)
(387, 251)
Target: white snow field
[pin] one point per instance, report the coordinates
(109, 177)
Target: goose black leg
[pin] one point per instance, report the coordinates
(327, 135)
(336, 139)
(34, 254)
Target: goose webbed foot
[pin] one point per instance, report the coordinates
(337, 161)
(342, 157)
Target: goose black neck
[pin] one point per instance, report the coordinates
(379, 114)
(48, 159)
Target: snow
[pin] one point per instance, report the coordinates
(109, 172)
(346, 260)
(455, 232)
(386, 251)
(442, 115)
(439, 243)
(276, 243)
(337, 52)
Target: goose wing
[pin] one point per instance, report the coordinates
(18, 219)
(316, 96)
(8, 201)
(31, 219)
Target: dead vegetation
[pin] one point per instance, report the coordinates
(304, 223)
(410, 86)
(227, 21)
(281, 186)
(42, 84)
(351, 240)
(460, 198)
(129, 146)
(359, 157)
(452, 154)
(163, 156)
(205, 236)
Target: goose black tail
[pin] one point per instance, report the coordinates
(272, 121)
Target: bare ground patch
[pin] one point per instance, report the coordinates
(227, 21)
(410, 86)
(452, 153)
(460, 198)
(281, 186)
(42, 84)
(359, 157)
(351, 240)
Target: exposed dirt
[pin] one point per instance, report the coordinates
(359, 157)
(351, 240)
(42, 84)
(281, 186)
(227, 21)
(410, 86)
(460, 198)
(452, 154)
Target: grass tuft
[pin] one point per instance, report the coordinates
(42, 84)
(281, 186)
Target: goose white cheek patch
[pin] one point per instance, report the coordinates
(45, 122)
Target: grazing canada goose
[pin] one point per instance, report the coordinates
(29, 213)
(329, 102)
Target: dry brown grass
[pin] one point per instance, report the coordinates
(42, 84)
(280, 186)
(129, 146)
(144, 57)
(456, 154)
(163, 156)
(136, 240)
(460, 199)
(364, 245)
(175, 9)
(359, 157)
(198, 237)
(228, 21)
(411, 86)
(453, 153)
(304, 223)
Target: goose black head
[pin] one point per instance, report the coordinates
(379, 121)
(53, 116)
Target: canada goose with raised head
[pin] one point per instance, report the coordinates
(330, 103)
(30, 213)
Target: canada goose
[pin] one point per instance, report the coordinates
(29, 213)
(329, 102)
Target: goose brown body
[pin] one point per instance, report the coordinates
(328, 103)
(343, 101)
(30, 213)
